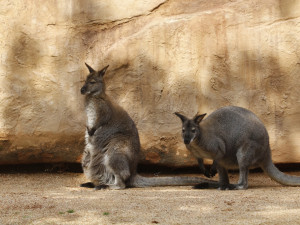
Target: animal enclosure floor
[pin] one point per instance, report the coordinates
(45, 198)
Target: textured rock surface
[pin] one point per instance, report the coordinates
(164, 56)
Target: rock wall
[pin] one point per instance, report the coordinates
(164, 56)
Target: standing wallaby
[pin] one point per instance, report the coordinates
(112, 148)
(233, 137)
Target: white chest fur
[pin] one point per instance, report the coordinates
(91, 113)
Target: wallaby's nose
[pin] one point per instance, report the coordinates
(186, 141)
(83, 90)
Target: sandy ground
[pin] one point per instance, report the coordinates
(45, 198)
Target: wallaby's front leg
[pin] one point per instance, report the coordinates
(208, 173)
(213, 169)
(202, 168)
(223, 180)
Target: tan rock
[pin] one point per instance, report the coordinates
(164, 56)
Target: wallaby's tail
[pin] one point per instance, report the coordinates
(140, 181)
(278, 176)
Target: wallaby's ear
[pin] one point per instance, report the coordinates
(182, 117)
(90, 68)
(102, 72)
(199, 118)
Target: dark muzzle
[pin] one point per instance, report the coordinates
(83, 90)
(186, 141)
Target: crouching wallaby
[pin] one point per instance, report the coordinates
(233, 137)
(112, 148)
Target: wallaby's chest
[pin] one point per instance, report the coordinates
(91, 112)
(198, 151)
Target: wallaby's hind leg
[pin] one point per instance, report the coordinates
(85, 162)
(224, 180)
(245, 159)
(243, 179)
(119, 167)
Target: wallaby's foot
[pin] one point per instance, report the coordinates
(120, 184)
(87, 185)
(207, 173)
(224, 187)
(206, 185)
(115, 187)
(210, 173)
(201, 186)
(99, 187)
(241, 187)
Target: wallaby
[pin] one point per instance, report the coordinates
(233, 137)
(112, 148)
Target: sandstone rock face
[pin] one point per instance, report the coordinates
(164, 56)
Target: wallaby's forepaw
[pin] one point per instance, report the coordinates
(87, 185)
(213, 172)
(99, 187)
(91, 131)
(210, 173)
(207, 173)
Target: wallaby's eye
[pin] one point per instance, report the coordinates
(92, 82)
(183, 130)
(193, 130)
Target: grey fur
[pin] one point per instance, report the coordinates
(112, 148)
(233, 137)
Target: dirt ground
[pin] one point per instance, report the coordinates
(49, 198)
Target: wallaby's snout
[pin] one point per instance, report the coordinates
(188, 133)
(186, 141)
(83, 90)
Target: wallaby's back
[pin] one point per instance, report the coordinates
(235, 125)
(234, 119)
